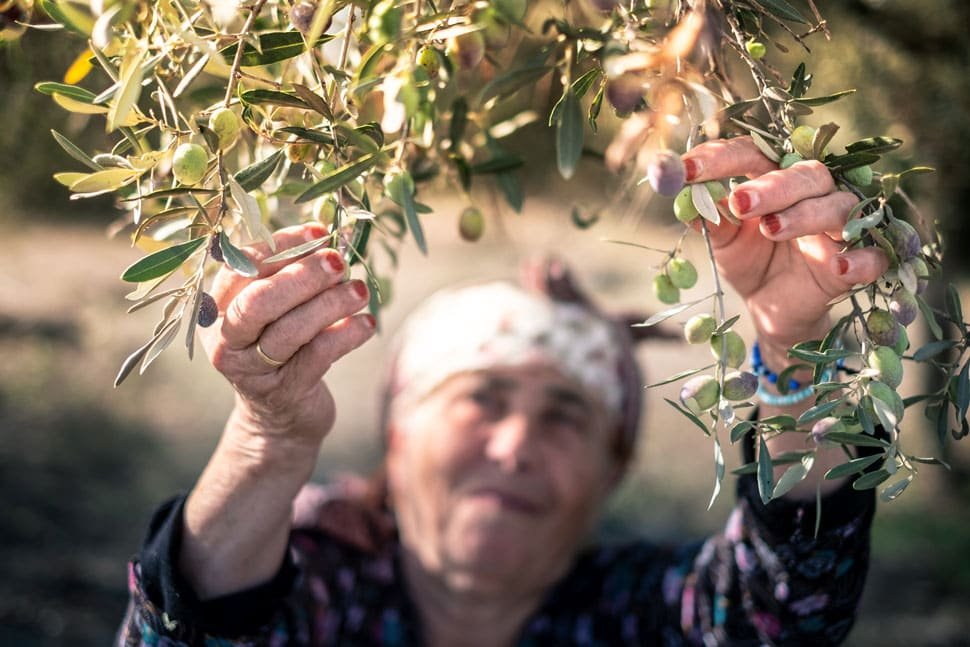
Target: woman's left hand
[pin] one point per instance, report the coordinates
(786, 258)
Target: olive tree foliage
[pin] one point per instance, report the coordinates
(217, 113)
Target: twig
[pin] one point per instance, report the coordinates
(237, 60)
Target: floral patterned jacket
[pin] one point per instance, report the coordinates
(765, 580)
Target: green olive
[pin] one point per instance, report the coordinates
(682, 273)
(471, 224)
(189, 163)
(699, 328)
(225, 124)
(684, 209)
(664, 290)
(736, 350)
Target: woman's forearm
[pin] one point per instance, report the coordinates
(237, 518)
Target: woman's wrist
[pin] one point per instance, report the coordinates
(774, 356)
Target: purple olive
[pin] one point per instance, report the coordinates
(625, 93)
(666, 173)
(905, 240)
(215, 250)
(824, 427)
(903, 306)
(208, 311)
(740, 385)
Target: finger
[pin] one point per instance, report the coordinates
(723, 233)
(859, 266)
(265, 300)
(228, 283)
(284, 337)
(315, 359)
(825, 215)
(723, 158)
(779, 190)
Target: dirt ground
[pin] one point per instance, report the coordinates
(82, 464)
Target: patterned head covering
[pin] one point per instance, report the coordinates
(499, 324)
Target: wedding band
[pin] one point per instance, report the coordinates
(275, 363)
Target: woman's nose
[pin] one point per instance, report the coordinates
(511, 442)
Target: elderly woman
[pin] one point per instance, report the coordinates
(509, 418)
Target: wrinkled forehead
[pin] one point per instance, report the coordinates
(497, 324)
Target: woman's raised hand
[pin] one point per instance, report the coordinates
(279, 333)
(786, 258)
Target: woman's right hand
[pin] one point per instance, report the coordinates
(236, 520)
(300, 312)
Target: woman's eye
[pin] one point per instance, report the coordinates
(565, 419)
(486, 400)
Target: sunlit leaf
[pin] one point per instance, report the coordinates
(129, 78)
(161, 262)
(273, 47)
(51, 88)
(251, 215)
(340, 177)
(106, 180)
(814, 102)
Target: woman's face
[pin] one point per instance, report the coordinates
(498, 475)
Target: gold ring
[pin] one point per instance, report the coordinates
(275, 363)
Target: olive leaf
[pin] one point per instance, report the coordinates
(569, 134)
(161, 262)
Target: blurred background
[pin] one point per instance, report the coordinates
(82, 465)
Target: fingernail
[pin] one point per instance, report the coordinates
(313, 231)
(745, 201)
(360, 289)
(772, 223)
(370, 321)
(334, 263)
(842, 264)
(692, 169)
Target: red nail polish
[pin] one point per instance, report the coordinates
(772, 223)
(360, 289)
(743, 200)
(370, 320)
(691, 169)
(842, 264)
(336, 263)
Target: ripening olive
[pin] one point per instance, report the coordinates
(824, 427)
(740, 385)
(700, 393)
(189, 163)
(882, 327)
(903, 306)
(666, 173)
(904, 239)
